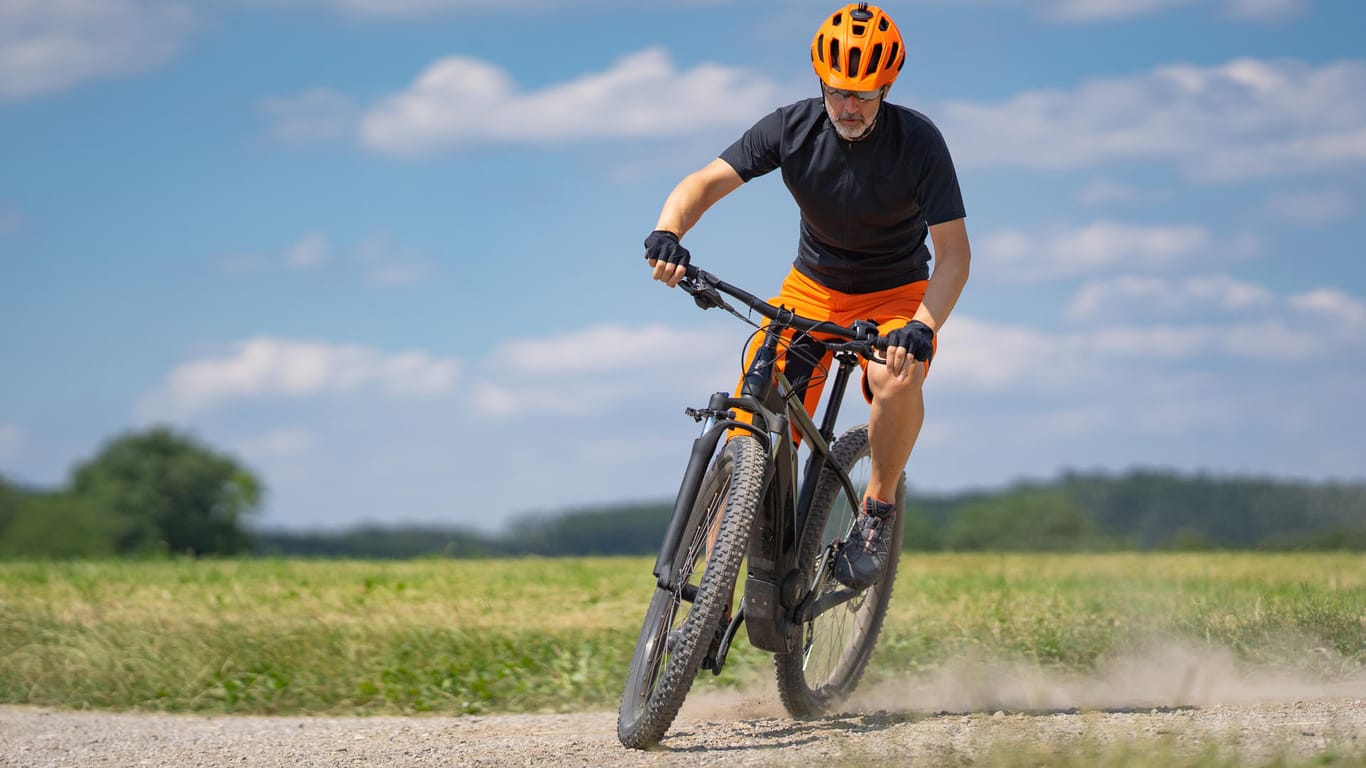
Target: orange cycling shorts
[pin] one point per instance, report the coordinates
(805, 362)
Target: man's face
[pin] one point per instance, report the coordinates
(852, 112)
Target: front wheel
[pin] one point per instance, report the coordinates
(837, 643)
(682, 623)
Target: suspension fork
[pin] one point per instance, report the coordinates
(718, 420)
(754, 391)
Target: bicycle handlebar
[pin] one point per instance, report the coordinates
(703, 286)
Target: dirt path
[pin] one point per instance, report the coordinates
(712, 731)
(1172, 697)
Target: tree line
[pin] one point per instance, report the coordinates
(159, 492)
(1137, 510)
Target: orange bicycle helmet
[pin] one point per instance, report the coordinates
(858, 48)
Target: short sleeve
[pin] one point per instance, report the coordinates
(941, 199)
(757, 151)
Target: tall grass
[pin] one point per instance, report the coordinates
(477, 636)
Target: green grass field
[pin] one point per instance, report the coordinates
(538, 635)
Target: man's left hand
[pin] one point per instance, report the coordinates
(911, 342)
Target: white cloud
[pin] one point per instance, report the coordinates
(1155, 321)
(1343, 311)
(1312, 206)
(378, 259)
(398, 9)
(1247, 118)
(980, 355)
(11, 441)
(1014, 255)
(1265, 10)
(384, 10)
(1067, 11)
(266, 367)
(460, 101)
(1103, 10)
(588, 369)
(286, 443)
(311, 251)
(384, 262)
(51, 45)
(1101, 192)
(1080, 11)
(598, 411)
(1136, 296)
(317, 115)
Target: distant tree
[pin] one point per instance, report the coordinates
(920, 533)
(10, 500)
(59, 525)
(377, 542)
(621, 529)
(167, 491)
(1022, 519)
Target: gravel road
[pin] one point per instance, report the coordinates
(960, 723)
(713, 730)
(1171, 697)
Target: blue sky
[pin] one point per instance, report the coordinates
(388, 253)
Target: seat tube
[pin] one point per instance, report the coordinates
(834, 398)
(815, 463)
(758, 381)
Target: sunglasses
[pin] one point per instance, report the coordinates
(860, 95)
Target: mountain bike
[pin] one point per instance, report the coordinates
(743, 501)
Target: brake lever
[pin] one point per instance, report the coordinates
(703, 294)
(864, 349)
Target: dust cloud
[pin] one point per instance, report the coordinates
(1165, 676)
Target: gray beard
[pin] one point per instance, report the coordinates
(866, 131)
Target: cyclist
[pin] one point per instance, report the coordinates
(872, 181)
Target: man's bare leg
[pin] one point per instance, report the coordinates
(894, 422)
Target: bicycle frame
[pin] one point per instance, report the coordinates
(775, 597)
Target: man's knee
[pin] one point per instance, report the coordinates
(884, 385)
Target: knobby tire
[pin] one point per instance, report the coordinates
(676, 634)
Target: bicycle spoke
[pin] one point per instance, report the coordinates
(842, 625)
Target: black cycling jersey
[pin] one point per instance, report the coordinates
(866, 206)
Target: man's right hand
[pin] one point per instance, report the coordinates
(668, 257)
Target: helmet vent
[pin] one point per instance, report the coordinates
(896, 48)
(874, 59)
(882, 24)
(855, 56)
(820, 48)
(857, 29)
(835, 55)
(837, 20)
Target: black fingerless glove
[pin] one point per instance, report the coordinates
(916, 338)
(663, 245)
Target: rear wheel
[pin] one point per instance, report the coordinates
(682, 623)
(837, 643)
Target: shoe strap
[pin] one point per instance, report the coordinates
(878, 508)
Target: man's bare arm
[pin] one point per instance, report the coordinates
(697, 192)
